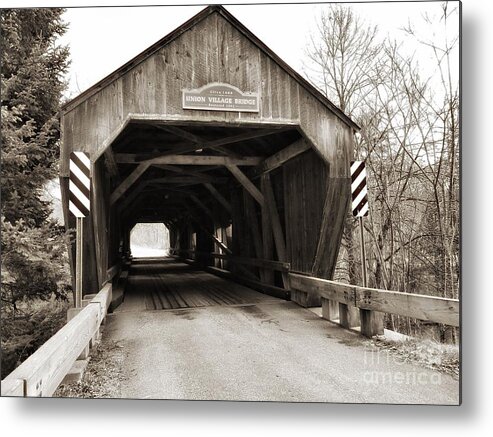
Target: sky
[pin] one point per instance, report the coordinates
(102, 39)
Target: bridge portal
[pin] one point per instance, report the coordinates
(210, 133)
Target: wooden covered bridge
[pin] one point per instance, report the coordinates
(247, 164)
(171, 140)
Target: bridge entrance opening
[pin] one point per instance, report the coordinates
(247, 194)
(149, 240)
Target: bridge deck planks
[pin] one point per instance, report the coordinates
(168, 285)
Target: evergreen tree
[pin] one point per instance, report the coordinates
(32, 68)
(33, 262)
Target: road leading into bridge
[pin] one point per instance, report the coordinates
(191, 335)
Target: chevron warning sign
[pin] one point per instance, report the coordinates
(80, 184)
(359, 191)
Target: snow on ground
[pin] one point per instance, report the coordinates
(147, 252)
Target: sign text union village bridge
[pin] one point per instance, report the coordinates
(248, 166)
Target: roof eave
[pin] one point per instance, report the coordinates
(186, 26)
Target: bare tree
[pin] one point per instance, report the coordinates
(341, 62)
(341, 57)
(409, 137)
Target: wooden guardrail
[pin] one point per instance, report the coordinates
(44, 370)
(113, 271)
(249, 280)
(256, 262)
(418, 306)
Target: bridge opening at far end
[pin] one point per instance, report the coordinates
(149, 240)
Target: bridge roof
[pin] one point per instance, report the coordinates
(188, 25)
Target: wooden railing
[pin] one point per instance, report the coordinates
(246, 277)
(256, 262)
(350, 305)
(43, 371)
(418, 306)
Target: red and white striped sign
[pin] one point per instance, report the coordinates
(359, 190)
(80, 184)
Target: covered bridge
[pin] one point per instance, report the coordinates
(211, 133)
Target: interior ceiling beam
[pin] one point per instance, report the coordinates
(207, 144)
(128, 158)
(179, 170)
(184, 180)
(219, 197)
(246, 183)
(175, 190)
(132, 196)
(196, 140)
(199, 141)
(128, 182)
(174, 201)
(279, 158)
(201, 205)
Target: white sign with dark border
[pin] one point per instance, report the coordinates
(220, 97)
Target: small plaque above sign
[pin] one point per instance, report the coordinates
(220, 97)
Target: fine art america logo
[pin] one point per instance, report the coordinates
(220, 97)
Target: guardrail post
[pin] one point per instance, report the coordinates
(348, 316)
(371, 321)
(330, 309)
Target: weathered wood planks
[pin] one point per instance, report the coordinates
(44, 370)
(418, 306)
(218, 196)
(189, 160)
(216, 48)
(278, 159)
(128, 182)
(247, 183)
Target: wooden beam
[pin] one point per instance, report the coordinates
(111, 165)
(191, 160)
(275, 219)
(267, 240)
(253, 227)
(198, 141)
(179, 170)
(217, 240)
(183, 180)
(218, 196)
(13, 388)
(246, 183)
(252, 283)
(330, 309)
(45, 369)
(418, 306)
(257, 262)
(132, 196)
(279, 158)
(182, 133)
(422, 307)
(201, 205)
(128, 182)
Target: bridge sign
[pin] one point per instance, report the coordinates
(218, 96)
(359, 191)
(80, 184)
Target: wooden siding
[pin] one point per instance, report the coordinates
(213, 50)
(305, 183)
(311, 191)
